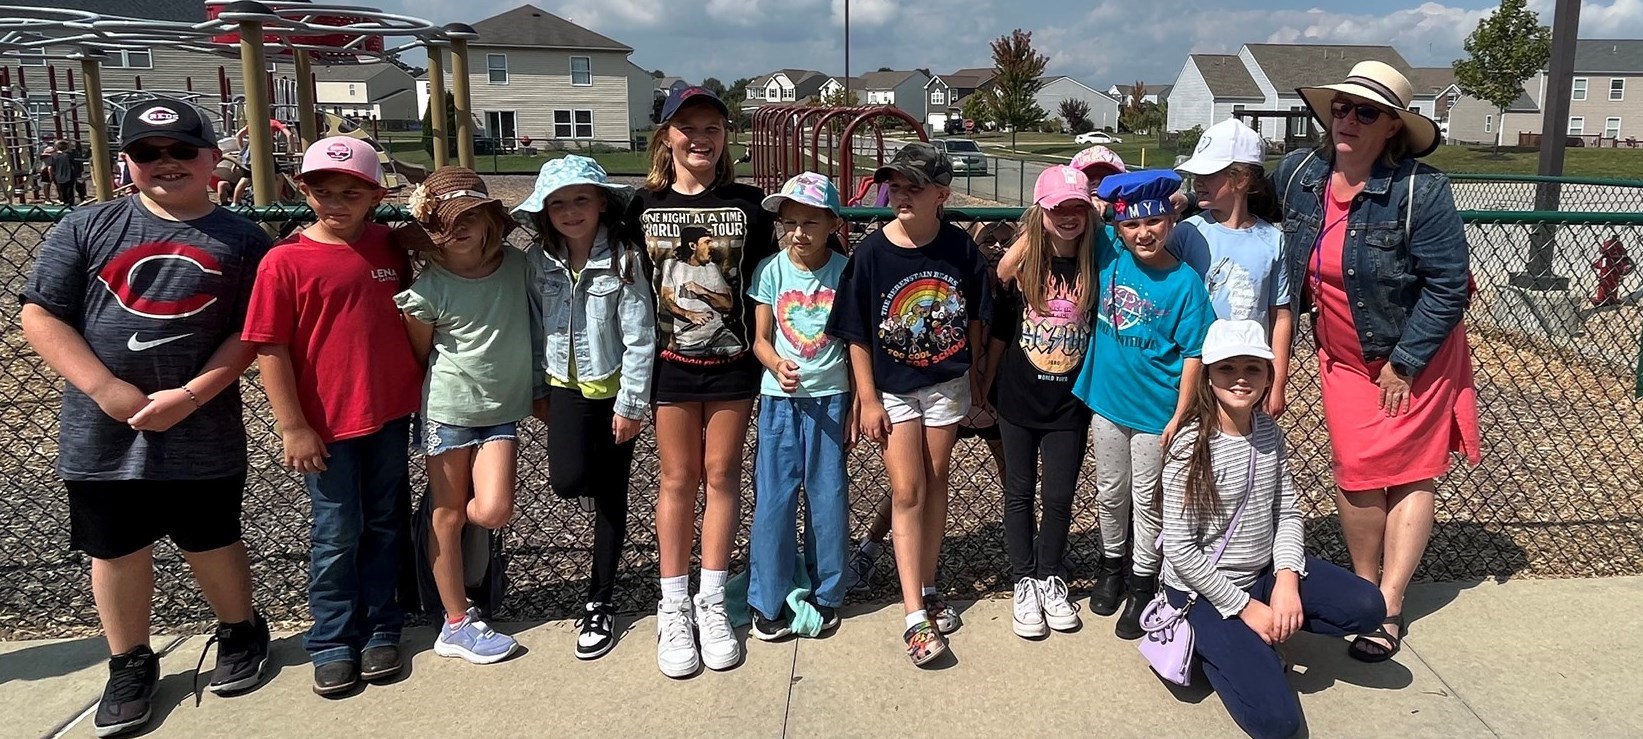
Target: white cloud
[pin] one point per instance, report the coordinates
(864, 13)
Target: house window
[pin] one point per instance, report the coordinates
(581, 71)
(502, 126)
(130, 59)
(497, 66)
(351, 90)
(573, 124)
(787, 93)
(1577, 125)
(1488, 124)
(1453, 97)
(1611, 127)
(1617, 89)
(773, 91)
(31, 57)
(1579, 90)
(938, 97)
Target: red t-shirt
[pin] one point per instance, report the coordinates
(333, 307)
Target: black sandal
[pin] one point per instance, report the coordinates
(1364, 650)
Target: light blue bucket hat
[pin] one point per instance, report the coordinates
(568, 171)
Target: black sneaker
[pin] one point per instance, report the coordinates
(597, 631)
(829, 617)
(1109, 587)
(242, 652)
(378, 663)
(332, 678)
(769, 629)
(129, 695)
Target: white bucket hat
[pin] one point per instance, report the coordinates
(1383, 85)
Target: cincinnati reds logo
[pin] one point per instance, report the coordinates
(339, 152)
(160, 116)
(120, 276)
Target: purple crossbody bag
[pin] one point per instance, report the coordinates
(1167, 643)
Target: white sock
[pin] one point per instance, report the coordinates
(917, 617)
(872, 548)
(713, 581)
(676, 589)
(929, 590)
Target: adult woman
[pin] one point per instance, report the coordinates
(1374, 237)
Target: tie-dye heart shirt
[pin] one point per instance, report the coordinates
(802, 301)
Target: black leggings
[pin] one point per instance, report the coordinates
(1063, 454)
(584, 461)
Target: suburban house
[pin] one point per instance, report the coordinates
(1154, 94)
(1468, 120)
(382, 92)
(534, 74)
(946, 93)
(1605, 100)
(1103, 107)
(784, 86)
(1263, 77)
(904, 90)
(666, 86)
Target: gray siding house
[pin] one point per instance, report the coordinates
(1606, 97)
(1103, 107)
(904, 90)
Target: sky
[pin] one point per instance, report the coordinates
(1099, 43)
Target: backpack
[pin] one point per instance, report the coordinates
(484, 563)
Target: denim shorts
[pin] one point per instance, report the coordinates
(438, 438)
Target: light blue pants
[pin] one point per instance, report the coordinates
(801, 444)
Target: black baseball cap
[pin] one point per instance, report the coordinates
(692, 96)
(920, 162)
(168, 118)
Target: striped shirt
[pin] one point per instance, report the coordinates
(1270, 533)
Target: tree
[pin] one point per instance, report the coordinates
(839, 99)
(713, 85)
(1137, 98)
(657, 73)
(450, 128)
(1017, 71)
(1507, 48)
(656, 104)
(975, 108)
(1077, 115)
(886, 69)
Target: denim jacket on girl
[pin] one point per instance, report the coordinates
(1406, 261)
(609, 323)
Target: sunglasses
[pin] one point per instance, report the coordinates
(149, 154)
(1366, 114)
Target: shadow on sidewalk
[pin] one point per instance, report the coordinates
(46, 661)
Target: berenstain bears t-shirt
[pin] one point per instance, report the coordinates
(702, 250)
(1043, 353)
(800, 301)
(333, 306)
(1243, 268)
(154, 300)
(913, 307)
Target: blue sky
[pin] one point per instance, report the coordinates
(1100, 43)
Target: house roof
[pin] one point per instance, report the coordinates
(1616, 56)
(1289, 66)
(883, 80)
(1148, 89)
(666, 82)
(191, 11)
(1226, 76)
(528, 25)
(1430, 81)
(1051, 78)
(350, 72)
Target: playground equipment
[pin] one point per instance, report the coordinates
(827, 140)
(250, 31)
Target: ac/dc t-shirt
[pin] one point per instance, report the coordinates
(702, 250)
(154, 300)
(913, 307)
(1043, 353)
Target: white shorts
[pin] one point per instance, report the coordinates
(938, 405)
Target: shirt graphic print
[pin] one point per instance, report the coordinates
(802, 318)
(1054, 342)
(693, 250)
(923, 320)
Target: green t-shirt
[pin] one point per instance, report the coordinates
(483, 366)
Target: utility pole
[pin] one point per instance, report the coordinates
(846, 52)
(1539, 273)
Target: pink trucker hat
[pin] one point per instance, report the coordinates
(1059, 184)
(344, 154)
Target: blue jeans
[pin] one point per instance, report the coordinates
(1247, 673)
(359, 519)
(801, 443)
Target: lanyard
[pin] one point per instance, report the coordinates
(1317, 270)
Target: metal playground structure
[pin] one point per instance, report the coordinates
(80, 108)
(845, 143)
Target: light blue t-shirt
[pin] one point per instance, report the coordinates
(802, 301)
(1148, 322)
(1243, 268)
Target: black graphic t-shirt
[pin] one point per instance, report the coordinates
(913, 307)
(1043, 353)
(701, 250)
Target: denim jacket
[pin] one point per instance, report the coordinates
(1407, 266)
(610, 325)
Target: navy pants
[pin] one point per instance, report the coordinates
(1247, 673)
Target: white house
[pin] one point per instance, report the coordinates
(380, 91)
(946, 93)
(1103, 107)
(904, 90)
(1263, 77)
(784, 86)
(534, 74)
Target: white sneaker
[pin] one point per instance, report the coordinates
(676, 639)
(720, 651)
(1059, 610)
(1029, 610)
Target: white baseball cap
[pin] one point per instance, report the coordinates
(1227, 339)
(1224, 144)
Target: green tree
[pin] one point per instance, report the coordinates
(1077, 115)
(1507, 48)
(1017, 71)
(713, 85)
(838, 98)
(975, 108)
(657, 73)
(450, 128)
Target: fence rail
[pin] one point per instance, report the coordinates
(1559, 494)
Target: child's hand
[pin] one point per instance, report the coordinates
(304, 452)
(852, 432)
(875, 421)
(1286, 610)
(787, 373)
(165, 409)
(1258, 617)
(120, 400)
(539, 409)
(1276, 404)
(1171, 430)
(624, 428)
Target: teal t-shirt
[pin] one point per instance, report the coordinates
(802, 301)
(483, 366)
(1148, 322)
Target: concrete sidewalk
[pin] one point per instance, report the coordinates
(1546, 658)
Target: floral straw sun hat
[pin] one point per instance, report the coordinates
(446, 195)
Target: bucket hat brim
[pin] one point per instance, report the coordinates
(544, 189)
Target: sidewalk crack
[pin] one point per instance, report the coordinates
(1410, 648)
(792, 678)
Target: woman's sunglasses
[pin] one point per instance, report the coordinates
(1366, 114)
(148, 154)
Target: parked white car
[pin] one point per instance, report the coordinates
(1097, 137)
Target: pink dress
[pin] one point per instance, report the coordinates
(1370, 450)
